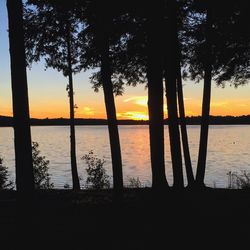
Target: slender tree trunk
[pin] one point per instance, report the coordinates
(22, 134)
(75, 177)
(111, 116)
(155, 97)
(201, 166)
(184, 136)
(171, 94)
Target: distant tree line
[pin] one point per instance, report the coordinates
(157, 43)
(6, 121)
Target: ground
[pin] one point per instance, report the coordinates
(62, 219)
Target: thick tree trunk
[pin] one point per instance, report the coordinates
(171, 92)
(75, 177)
(22, 134)
(155, 99)
(184, 136)
(111, 117)
(201, 166)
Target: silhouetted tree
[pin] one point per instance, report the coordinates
(103, 45)
(227, 49)
(182, 11)
(155, 92)
(96, 44)
(218, 49)
(51, 33)
(137, 58)
(184, 135)
(201, 165)
(138, 61)
(22, 134)
(170, 75)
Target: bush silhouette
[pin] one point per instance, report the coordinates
(134, 182)
(4, 183)
(40, 169)
(239, 181)
(97, 177)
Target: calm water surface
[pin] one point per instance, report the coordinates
(228, 150)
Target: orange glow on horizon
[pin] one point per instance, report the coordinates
(132, 108)
(133, 115)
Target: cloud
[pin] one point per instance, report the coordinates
(134, 115)
(138, 100)
(87, 111)
(219, 104)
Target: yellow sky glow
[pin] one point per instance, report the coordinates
(132, 107)
(133, 115)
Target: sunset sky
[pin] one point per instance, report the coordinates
(48, 96)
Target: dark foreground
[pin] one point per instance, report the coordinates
(205, 219)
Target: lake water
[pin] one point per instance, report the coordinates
(228, 150)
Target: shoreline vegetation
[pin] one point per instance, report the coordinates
(7, 121)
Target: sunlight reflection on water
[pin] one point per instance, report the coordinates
(228, 150)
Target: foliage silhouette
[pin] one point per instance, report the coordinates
(134, 182)
(215, 44)
(4, 183)
(238, 181)
(40, 169)
(96, 173)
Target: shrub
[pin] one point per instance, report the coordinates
(4, 175)
(134, 182)
(239, 181)
(96, 173)
(40, 169)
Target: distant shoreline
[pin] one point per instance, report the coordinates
(6, 121)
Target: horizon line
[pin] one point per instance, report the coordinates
(187, 116)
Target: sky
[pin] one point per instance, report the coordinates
(48, 97)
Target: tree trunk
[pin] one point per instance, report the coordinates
(155, 98)
(111, 116)
(201, 166)
(22, 134)
(170, 75)
(75, 177)
(184, 136)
